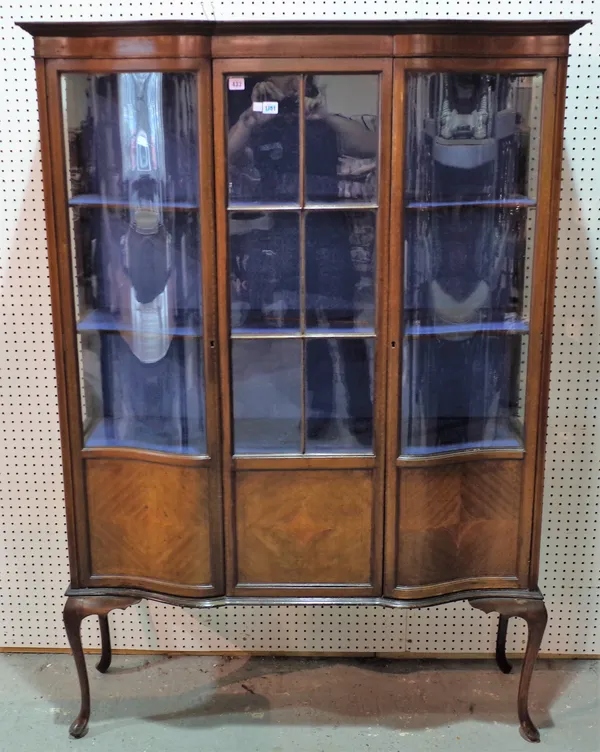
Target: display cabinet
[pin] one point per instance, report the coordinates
(302, 280)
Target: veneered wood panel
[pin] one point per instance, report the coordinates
(149, 522)
(123, 47)
(304, 527)
(460, 45)
(457, 522)
(301, 46)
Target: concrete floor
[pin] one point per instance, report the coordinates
(239, 704)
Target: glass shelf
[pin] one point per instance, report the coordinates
(474, 327)
(105, 321)
(355, 331)
(340, 205)
(310, 206)
(94, 200)
(258, 206)
(309, 333)
(515, 202)
(264, 333)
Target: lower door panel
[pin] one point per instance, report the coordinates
(153, 526)
(305, 530)
(457, 526)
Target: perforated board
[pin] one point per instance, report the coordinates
(33, 546)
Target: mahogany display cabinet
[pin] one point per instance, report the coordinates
(302, 286)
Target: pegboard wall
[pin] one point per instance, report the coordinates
(33, 544)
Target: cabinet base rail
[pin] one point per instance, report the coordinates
(528, 605)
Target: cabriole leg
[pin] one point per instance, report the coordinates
(77, 608)
(503, 664)
(105, 659)
(535, 614)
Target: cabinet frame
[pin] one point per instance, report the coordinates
(210, 49)
(233, 463)
(540, 312)
(63, 310)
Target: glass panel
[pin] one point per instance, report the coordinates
(339, 398)
(135, 240)
(265, 271)
(299, 268)
(127, 279)
(471, 174)
(342, 113)
(132, 142)
(267, 388)
(462, 392)
(467, 268)
(340, 268)
(151, 403)
(264, 138)
(472, 137)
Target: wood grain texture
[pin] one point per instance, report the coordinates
(444, 45)
(545, 233)
(62, 386)
(297, 46)
(107, 47)
(301, 526)
(457, 522)
(313, 527)
(63, 309)
(534, 613)
(544, 393)
(76, 610)
(395, 305)
(457, 455)
(212, 379)
(144, 455)
(476, 27)
(149, 522)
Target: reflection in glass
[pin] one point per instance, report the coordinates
(263, 142)
(267, 388)
(135, 241)
(341, 123)
(153, 404)
(465, 268)
(471, 173)
(299, 268)
(340, 261)
(461, 392)
(264, 268)
(472, 136)
(132, 280)
(339, 402)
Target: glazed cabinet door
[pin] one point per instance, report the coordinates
(302, 190)
(470, 212)
(131, 145)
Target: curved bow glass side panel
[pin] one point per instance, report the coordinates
(469, 222)
(132, 179)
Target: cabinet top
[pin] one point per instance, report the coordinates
(477, 27)
(301, 39)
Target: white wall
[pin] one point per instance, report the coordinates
(33, 549)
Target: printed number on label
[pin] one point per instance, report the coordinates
(270, 108)
(237, 84)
